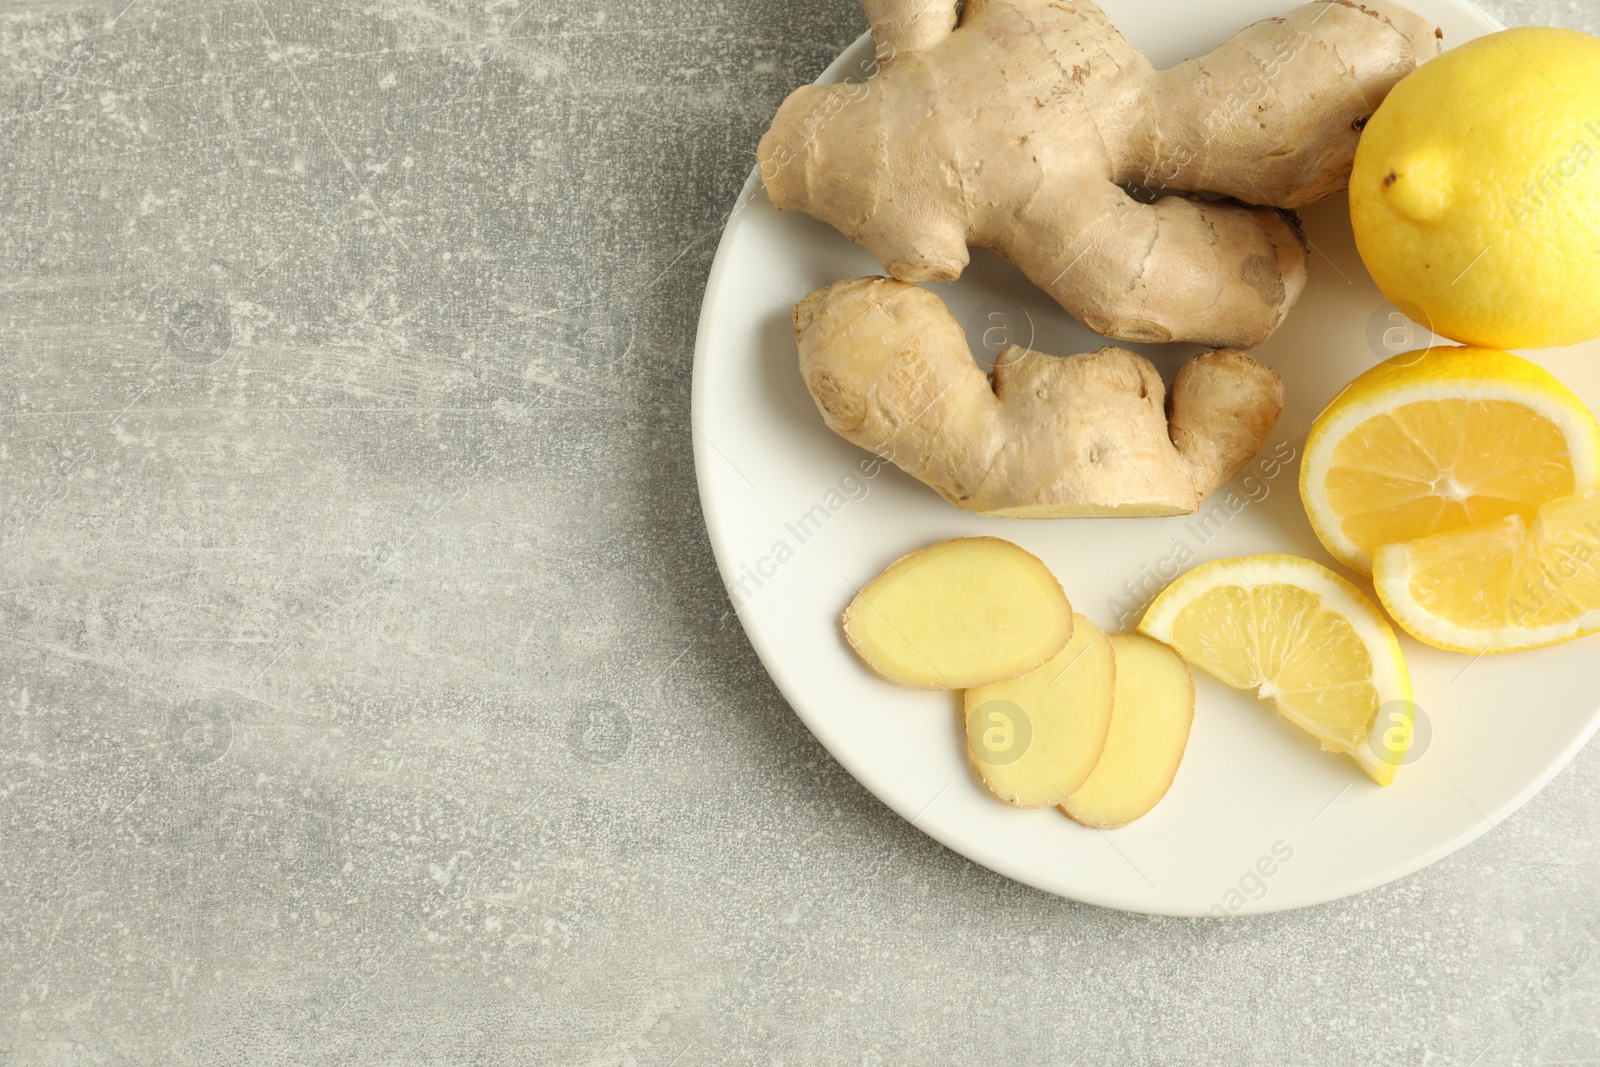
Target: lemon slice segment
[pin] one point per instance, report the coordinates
(1504, 586)
(1440, 440)
(1302, 637)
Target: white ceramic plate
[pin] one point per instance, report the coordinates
(1258, 819)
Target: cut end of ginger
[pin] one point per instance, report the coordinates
(960, 614)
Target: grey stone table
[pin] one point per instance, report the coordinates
(362, 693)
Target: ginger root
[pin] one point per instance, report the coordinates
(1089, 435)
(1018, 127)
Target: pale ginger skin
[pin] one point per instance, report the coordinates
(1018, 128)
(1089, 435)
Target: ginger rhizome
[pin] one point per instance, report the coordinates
(1042, 437)
(1028, 126)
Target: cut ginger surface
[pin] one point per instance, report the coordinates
(959, 614)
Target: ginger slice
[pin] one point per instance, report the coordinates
(1151, 712)
(1034, 741)
(959, 614)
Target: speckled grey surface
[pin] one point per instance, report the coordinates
(362, 694)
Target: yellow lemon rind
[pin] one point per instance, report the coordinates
(1464, 196)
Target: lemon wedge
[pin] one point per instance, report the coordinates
(1302, 637)
(1503, 586)
(1438, 440)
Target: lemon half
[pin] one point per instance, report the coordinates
(1438, 440)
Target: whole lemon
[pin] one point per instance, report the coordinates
(1476, 191)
